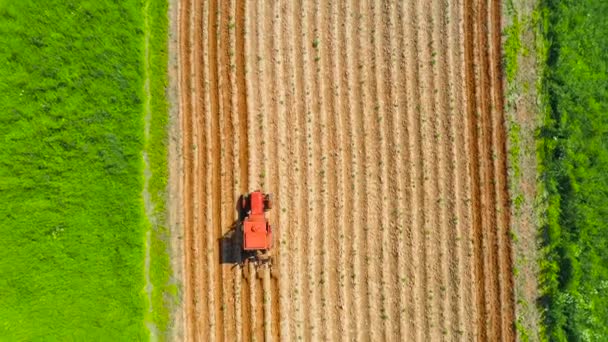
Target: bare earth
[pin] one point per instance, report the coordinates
(378, 126)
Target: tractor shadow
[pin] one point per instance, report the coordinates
(230, 243)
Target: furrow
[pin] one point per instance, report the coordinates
(267, 302)
(488, 199)
(444, 182)
(273, 58)
(256, 155)
(300, 182)
(254, 299)
(356, 146)
(239, 100)
(228, 170)
(251, 100)
(344, 196)
(317, 238)
(427, 157)
(457, 217)
(372, 156)
(417, 284)
(231, 243)
(505, 280)
(198, 219)
(363, 248)
(261, 317)
(285, 208)
(327, 172)
(474, 156)
(468, 222)
(200, 64)
(185, 89)
(240, 55)
(387, 261)
(399, 98)
(332, 153)
(214, 224)
(311, 247)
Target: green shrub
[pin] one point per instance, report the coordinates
(574, 155)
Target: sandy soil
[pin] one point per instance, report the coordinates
(379, 128)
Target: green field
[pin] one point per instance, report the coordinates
(72, 218)
(574, 157)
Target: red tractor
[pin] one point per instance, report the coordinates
(257, 233)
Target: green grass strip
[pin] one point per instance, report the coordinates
(71, 211)
(164, 291)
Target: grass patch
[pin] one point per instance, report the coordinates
(574, 157)
(72, 220)
(512, 45)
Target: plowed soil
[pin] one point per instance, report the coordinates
(378, 127)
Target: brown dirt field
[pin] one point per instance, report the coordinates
(379, 128)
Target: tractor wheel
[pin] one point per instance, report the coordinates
(244, 202)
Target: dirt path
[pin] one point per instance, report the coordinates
(379, 128)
